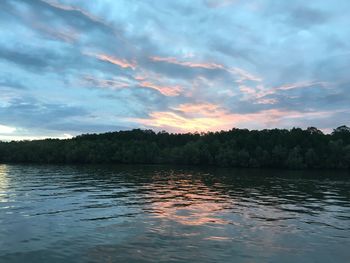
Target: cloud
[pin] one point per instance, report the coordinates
(165, 90)
(172, 60)
(25, 59)
(245, 75)
(117, 83)
(73, 16)
(123, 63)
(11, 82)
(29, 113)
(113, 84)
(209, 69)
(207, 109)
(263, 95)
(6, 129)
(305, 17)
(81, 12)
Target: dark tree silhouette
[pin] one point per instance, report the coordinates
(277, 148)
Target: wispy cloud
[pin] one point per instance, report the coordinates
(120, 62)
(114, 83)
(71, 8)
(165, 90)
(263, 95)
(301, 85)
(244, 75)
(190, 64)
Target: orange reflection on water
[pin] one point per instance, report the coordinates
(189, 202)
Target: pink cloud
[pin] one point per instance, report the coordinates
(61, 6)
(120, 62)
(123, 63)
(242, 74)
(165, 90)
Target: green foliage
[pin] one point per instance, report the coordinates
(294, 149)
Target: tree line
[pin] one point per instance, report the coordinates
(275, 148)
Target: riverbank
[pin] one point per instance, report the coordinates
(282, 149)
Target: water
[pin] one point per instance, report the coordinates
(166, 214)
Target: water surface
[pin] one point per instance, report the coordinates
(166, 214)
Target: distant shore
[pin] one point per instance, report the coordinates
(275, 148)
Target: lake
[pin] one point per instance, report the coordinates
(172, 214)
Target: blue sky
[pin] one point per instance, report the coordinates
(70, 67)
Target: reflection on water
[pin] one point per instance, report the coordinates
(3, 177)
(166, 214)
(3, 182)
(188, 202)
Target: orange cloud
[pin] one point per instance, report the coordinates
(165, 90)
(123, 63)
(204, 109)
(187, 117)
(210, 117)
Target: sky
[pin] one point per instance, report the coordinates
(69, 67)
